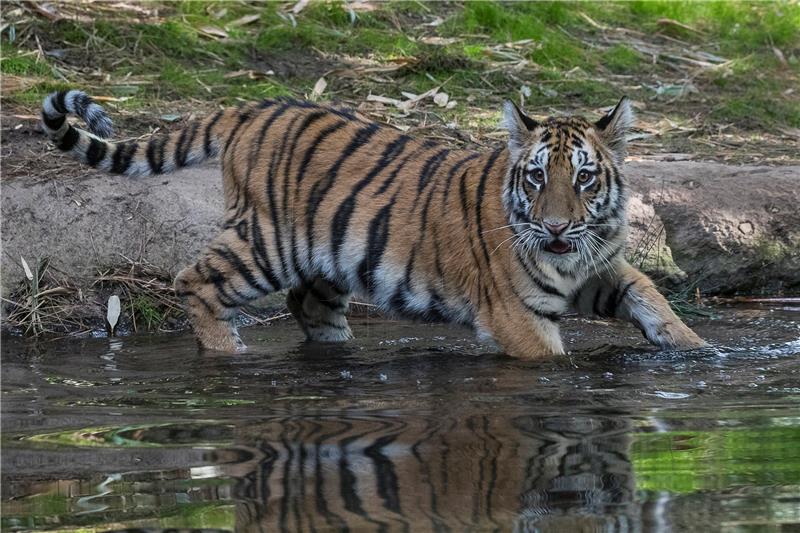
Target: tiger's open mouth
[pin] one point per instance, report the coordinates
(559, 247)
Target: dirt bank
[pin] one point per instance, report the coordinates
(728, 228)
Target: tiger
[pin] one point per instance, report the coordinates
(325, 203)
(451, 471)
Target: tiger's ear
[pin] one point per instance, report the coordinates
(519, 126)
(615, 125)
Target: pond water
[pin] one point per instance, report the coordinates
(410, 427)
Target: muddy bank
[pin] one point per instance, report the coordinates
(729, 228)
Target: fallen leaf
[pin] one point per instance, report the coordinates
(440, 41)
(243, 21)
(213, 32)
(319, 88)
(251, 74)
(112, 314)
(383, 100)
(780, 56)
(26, 268)
(441, 99)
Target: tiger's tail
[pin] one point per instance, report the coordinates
(198, 141)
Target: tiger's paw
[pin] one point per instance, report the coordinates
(229, 343)
(329, 334)
(679, 336)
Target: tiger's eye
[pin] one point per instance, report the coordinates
(537, 176)
(584, 177)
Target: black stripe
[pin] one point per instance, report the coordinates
(155, 154)
(624, 292)
(553, 317)
(243, 270)
(273, 167)
(313, 148)
(185, 144)
(310, 150)
(60, 102)
(207, 133)
(218, 279)
(69, 140)
(260, 253)
(391, 177)
(330, 303)
(54, 123)
(544, 286)
(244, 116)
(479, 201)
(96, 152)
(309, 119)
(388, 485)
(341, 220)
(377, 238)
(403, 290)
(452, 173)
(123, 156)
(258, 142)
(321, 187)
(429, 169)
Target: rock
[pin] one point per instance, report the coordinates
(725, 228)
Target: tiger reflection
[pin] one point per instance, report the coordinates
(483, 472)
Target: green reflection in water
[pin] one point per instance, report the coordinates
(212, 515)
(690, 461)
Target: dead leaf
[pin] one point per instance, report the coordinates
(26, 268)
(113, 311)
(245, 20)
(213, 32)
(319, 88)
(440, 41)
(441, 99)
(780, 56)
(383, 99)
(251, 74)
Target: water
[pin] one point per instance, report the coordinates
(410, 428)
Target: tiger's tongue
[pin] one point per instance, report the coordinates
(559, 247)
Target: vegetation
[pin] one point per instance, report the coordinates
(706, 66)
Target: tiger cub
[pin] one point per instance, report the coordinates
(326, 203)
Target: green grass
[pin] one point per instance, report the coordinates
(183, 62)
(23, 65)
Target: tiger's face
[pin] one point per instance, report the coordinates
(564, 193)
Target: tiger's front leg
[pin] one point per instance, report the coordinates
(626, 293)
(518, 332)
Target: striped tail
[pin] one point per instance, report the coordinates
(197, 142)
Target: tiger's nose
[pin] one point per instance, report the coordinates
(555, 227)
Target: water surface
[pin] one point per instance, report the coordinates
(408, 428)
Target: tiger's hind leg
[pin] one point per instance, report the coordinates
(320, 307)
(229, 274)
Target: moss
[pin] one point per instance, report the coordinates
(770, 250)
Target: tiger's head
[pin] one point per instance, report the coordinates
(564, 193)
